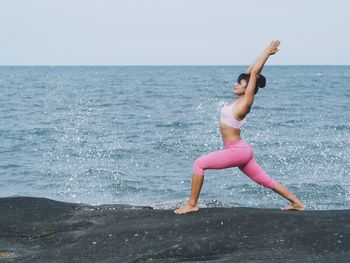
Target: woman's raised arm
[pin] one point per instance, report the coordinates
(272, 47)
(255, 70)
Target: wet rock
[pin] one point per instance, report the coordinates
(43, 230)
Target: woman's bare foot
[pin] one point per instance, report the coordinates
(187, 208)
(294, 207)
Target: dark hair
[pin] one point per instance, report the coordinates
(260, 82)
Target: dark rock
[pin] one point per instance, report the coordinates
(42, 230)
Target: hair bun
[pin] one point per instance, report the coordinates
(261, 81)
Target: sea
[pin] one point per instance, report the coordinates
(130, 134)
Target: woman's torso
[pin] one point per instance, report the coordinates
(230, 131)
(229, 134)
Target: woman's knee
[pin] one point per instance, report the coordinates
(198, 167)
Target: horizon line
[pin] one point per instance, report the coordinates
(163, 65)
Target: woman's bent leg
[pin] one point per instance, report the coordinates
(221, 159)
(216, 160)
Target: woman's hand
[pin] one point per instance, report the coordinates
(272, 48)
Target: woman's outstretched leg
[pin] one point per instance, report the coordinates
(192, 203)
(256, 173)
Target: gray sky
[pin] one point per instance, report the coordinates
(172, 32)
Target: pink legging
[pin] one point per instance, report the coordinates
(236, 153)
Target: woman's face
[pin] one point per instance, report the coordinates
(240, 87)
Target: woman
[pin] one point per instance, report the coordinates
(237, 152)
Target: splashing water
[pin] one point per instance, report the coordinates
(130, 134)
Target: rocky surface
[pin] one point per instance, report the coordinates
(43, 230)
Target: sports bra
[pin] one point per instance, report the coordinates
(227, 118)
